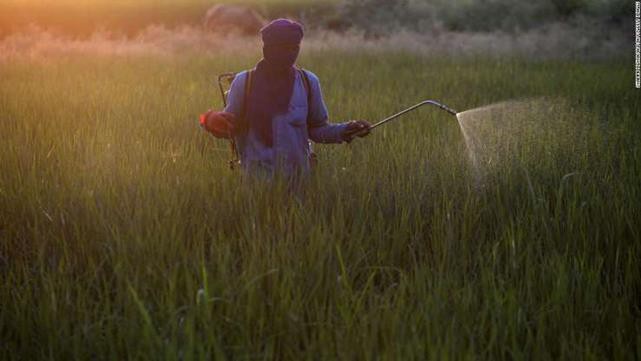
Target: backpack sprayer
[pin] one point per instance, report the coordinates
(228, 78)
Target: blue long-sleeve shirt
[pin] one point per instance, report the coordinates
(292, 131)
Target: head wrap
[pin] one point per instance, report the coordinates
(273, 83)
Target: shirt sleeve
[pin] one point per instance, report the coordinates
(320, 129)
(236, 94)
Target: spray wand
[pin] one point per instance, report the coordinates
(413, 107)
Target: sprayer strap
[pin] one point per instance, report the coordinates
(308, 89)
(248, 86)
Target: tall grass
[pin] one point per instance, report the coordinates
(124, 235)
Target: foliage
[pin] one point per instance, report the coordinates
(124, 235)
(374, 17)
(84, 18)
(379, 16)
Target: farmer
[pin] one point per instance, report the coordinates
(273, 115)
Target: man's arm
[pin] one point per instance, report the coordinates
(320, 129)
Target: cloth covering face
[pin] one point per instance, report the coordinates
(270, 95)
(273, 81)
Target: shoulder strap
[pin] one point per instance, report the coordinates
(308, 88)
(248, 85)
(307, 84)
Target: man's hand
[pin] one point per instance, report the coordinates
(355, 128)
(220, 124)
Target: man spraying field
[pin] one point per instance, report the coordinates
(274, 109)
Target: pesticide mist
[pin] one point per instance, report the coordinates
(509, 133)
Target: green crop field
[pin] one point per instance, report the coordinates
(124, 235)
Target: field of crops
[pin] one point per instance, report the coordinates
(123, 234)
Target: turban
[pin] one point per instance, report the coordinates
(282, 31)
